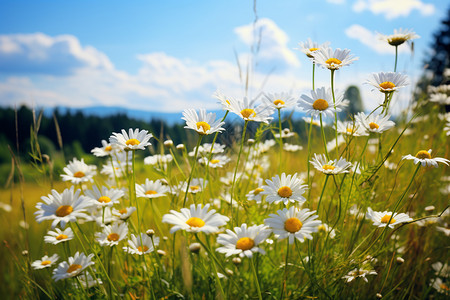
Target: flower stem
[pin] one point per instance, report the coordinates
(309, 154)
(283, 285)
(323, 137)
(280, 140)
(193, 168)
(335, 112)
(256, 279)
(396, 56)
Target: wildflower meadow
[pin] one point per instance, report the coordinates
(358, 210)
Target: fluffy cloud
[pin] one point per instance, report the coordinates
(371, 40)
(392, 9)
(336, 1)
(40, 53)
(271, 43)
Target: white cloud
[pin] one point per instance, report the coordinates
(371, 40)
(392, 9)
(336, 1)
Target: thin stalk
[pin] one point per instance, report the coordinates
(323, 138)
(309, 152)
(323, 190)
(313, 71)
(335, 112)
(193, 168)
(283, 285)
(396, 56)
(280, 139)
(256, 279)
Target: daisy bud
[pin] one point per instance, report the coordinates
(161, 252)
(379, 296)
(236, 260)
(25, 252)
(180, 147)
(195, 248)
(429, 208)
(165, 238)
(400, 260)
(168, 143)
(229, 272)
(150, 232)
(250, 141)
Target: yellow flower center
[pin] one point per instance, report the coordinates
(285, 192)
(45, 263)
(278, 101)
(61, 237)
(320, 104)
(293, 225)
(313, 49)
(108, 148)
(350, 130)
(228, 102)
(396, 41)
(132, 142)
(195, 222)
(205, 126)
(387, 85)
(333, 60)
(215, 161)
(245, 243)
(373, 125)
(144, 249)
(104, 199)
(73, 268)
(113, 237)
(247, 112)
(194, 188)
(422, 154)
(386, 218)
(257, 191)
(328, 167)
(123, 211)
(444, 287)
(63, 210)
(322, 228)
(151, 192)
(79, 174)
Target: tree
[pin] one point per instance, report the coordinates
(356, 105)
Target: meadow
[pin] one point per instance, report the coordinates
(358, 210)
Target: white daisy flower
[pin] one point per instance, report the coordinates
(374, 123)
(441, 286)
(441, 269)
(387, 82)
(320, 102)
(309, 47)
(424, 157)
(87, 281)
(243, 241)
(158, 159)
(325, 228)
(62, 208)
(248, 111)
(205, 149)
(195, 219)
(333, 60)
(112, 235)
(358, 273)
(59, 236)
(105, 197)
(218, 161)
(385, 218)
(399, 37)
(293, 223)
(124, 213)
(102, 216)
(195, 186)
(314, 122)
(151, 189)
(115, 169)
(136, 247)
(279, 100)
(292, 148)
(285, 133)
(203, 123)
(73, 267)
(105, 150)
(45, 262)
(255, 195)
(330, 167)
(78, 171)
(223, 100)
(351, 128)
(133, 140)
(286, 189)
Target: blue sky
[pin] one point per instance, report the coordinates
(171, 55)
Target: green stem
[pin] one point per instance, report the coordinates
(309, 155)
(335, 112)
(256, 278)
(323, 138)
(396, 56)
(313, 71)
(283, 285)
(193, 168)
(323, 190)
(280, 140)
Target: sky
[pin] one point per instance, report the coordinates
(166, 56)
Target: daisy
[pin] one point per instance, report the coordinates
(292, 148)
(309, 47)
(158, 159)
(105, 197)
(196, 185)
(105, 150)
(248, 111)
(285, 133)
(330, 167)
(424, 157)
(62, 208)
(255, 195)
(333, 60)
(293, 223)
(399, 37)
(441, 287)
(141, 245)
(279, 100)
(385, 218)
(205, 149)
(325, 228)
(45, 262)
(195, 219)
(374, 123)
(441, 269)
(218, 161)
(320, 102)
(78, 171)
(203, 123)
(287, 189)
(124, 213)
(314, 122)
(387, 82)
(351, 128)
(358, 273)
(243, 241)
(223, 100)
(87, 281)
(59, 236)
(112, 235)
(137, 139)
(151, 189)
(73, 267)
